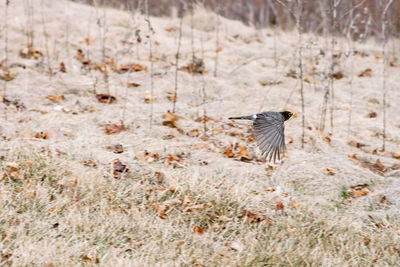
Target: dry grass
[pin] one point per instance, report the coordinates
(56, 211)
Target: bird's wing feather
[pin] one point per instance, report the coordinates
(269, 133)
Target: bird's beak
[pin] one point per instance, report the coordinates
(294, 114)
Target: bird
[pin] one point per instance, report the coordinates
(269, 131)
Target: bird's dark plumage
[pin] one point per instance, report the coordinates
(269, 131)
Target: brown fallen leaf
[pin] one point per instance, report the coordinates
(57, 99)
(194, 207)
(89, 41)
(395, 155)
(62, 67)
(279, 206)
(30, 52)
(43, 135)
(116, 148)
(291, 74)
(359, 192)
(194, 133)
(229, 153)
(379, 166)
(81, 57)
(6, 75)
(196, 66)
(366, 73)
(356, 144)
(114, 128)
(106, 98)
(338, 75)
(133, 84)
(392, 64)
(372, 114)
(172, 97)
(118, 168)
(172, 159)
(373, 101)
(149, 97)
(89, 163)
(198, 230)
(295, 203)
(253, 217)
(170, 119)
(244, 154)
(331, 171)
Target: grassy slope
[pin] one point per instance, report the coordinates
(60, 212)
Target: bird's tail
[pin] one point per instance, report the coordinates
(250, 117)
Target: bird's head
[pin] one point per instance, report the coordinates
(287, 114)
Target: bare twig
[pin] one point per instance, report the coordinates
(46, 43)
(299, 26)
(216, 44)
(384, 71)
(175, 98)
(150, 28)
(6, 53)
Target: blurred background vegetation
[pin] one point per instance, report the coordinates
(358, 18)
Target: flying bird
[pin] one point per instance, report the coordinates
(269, 132)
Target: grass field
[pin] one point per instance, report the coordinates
(79, 188)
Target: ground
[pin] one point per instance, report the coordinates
(186, 195)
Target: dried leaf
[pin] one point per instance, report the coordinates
(229, 153)
(118, 168)
(365, 73)
(356, 144)
(373, 101)
(194, 133)
(89, 41)
(116, 148)
(196, 66)
(292, 74)
(172, 97)
(149, 97)
(170, 119)
(328, 139)
(114, 128)
(106, 98)
(133, 84)
(81, 57)
(331, 171)
(198, 230)
(6, 75)
(59, 99)
(252, 217)
(395, 155)
(338, 75)
(279, 206)
(307, 79)
(172, 159)
(194, 207)
(295, 203)
(244, 154)
(89, 163)
(62, 67)
(359, 192)
(43, 135)
(372, 114)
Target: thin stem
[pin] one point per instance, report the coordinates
(175, 98)
(151, 62)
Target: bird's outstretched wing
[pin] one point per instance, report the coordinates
(269, 133)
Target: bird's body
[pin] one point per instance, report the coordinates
(269, 132)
